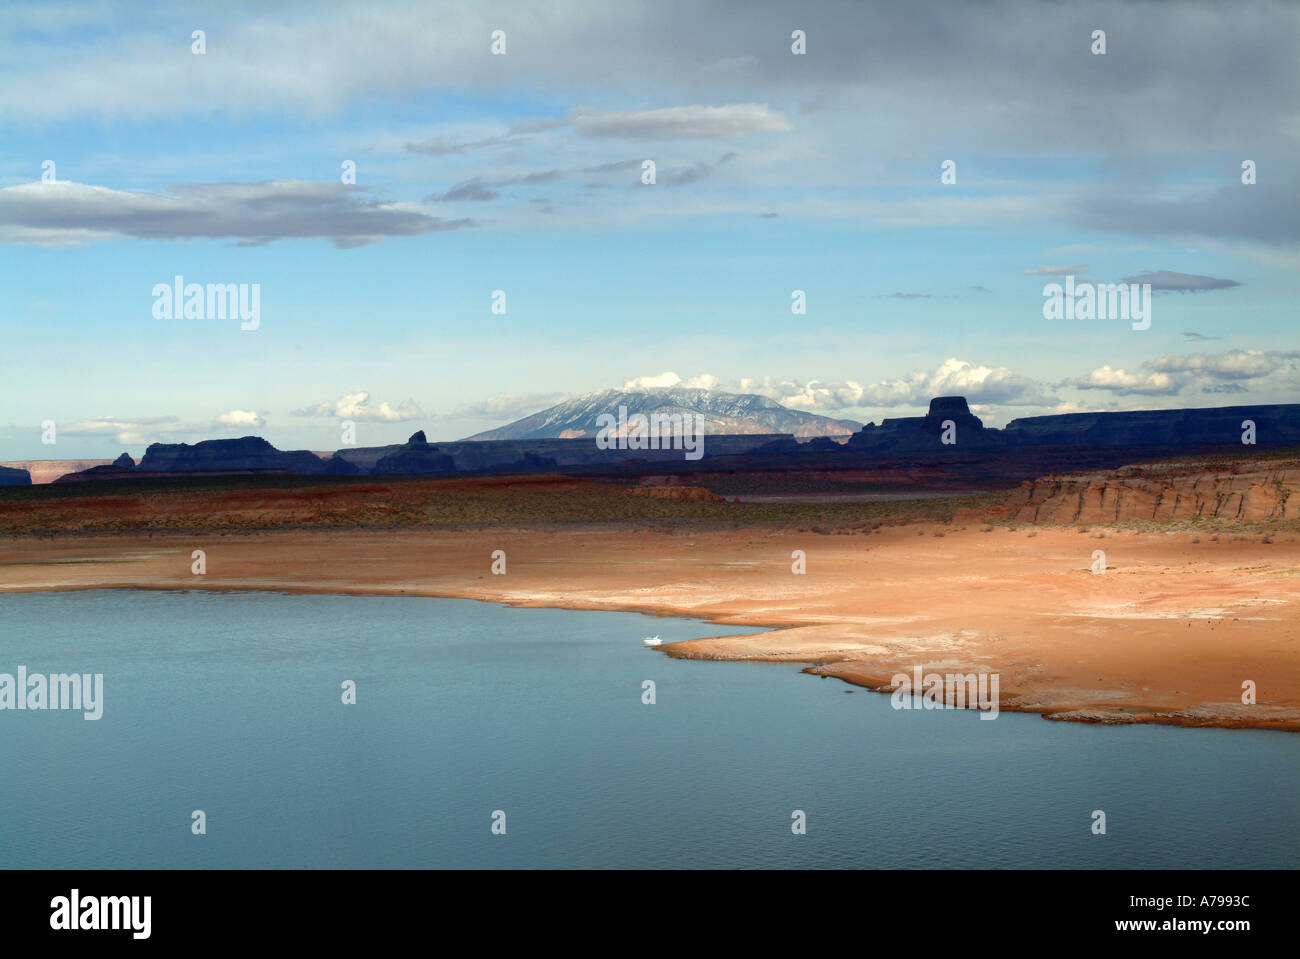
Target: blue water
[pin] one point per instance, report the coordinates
(231, 703)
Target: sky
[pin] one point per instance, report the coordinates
(514, 179)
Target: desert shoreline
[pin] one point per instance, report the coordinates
(1131, 646)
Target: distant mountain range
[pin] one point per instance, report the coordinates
(734, 413)
(563, 439)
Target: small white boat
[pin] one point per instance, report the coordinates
(651, 640)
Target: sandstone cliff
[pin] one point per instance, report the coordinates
(1242, 491)
(46, 471)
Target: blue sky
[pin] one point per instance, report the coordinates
(522, 172)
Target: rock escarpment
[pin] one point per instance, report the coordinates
(1243, 492)
(245, 453)
(1274, 425)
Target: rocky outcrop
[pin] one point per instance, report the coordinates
(246, 453)
(954, 408)
(121, 468)
(415, 458)
(925, 433)
(1243, 492)
(14, 477)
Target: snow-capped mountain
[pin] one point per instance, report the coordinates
(720, 413)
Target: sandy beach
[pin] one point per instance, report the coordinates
(1168, 633)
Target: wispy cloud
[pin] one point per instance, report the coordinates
(507, 406)
(678, 122)
(470, 190)
(1077, 269)
(139, 430)
(684, 176)
(253, 213)
(1167, 281)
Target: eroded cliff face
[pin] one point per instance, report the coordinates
(46, 471)
(1243, 492)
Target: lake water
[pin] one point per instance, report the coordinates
(231, 703)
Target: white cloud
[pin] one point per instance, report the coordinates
(668, 379)
(239, 418)
(1122, 382)
(653, 382)
(1232, 365)
(134, 431)
(979, 384)
(129, 431)
(356, 406)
